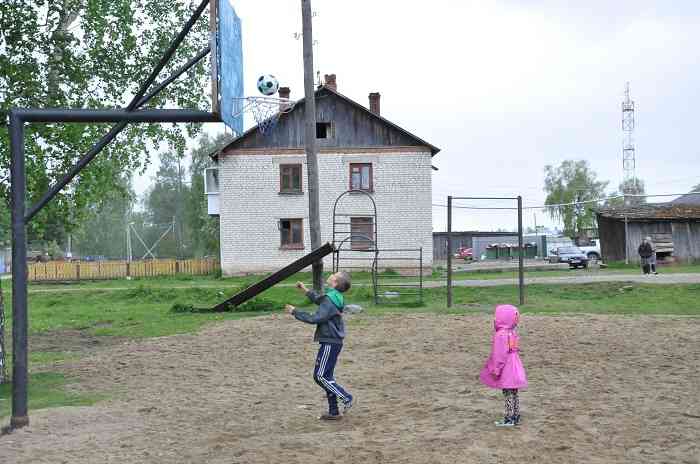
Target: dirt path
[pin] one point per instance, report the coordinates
(603, 389)
(579, 278)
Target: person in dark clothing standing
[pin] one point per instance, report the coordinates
(646, 252)
(330, 332)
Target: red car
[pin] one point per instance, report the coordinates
(465, 253)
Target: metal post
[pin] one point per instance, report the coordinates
(310, 140)
(690, 243)
(129, 253)
(20, 321)
(627, 258)
(521, 256)
(213, 28)
(449, 251)
(420, 272)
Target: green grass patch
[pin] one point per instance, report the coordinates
(46, 390)
(597, 298)
(147, 310)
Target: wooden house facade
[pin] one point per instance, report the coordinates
(674, 229)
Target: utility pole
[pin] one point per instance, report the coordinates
(129, 254)
(310, 140)
(449, 251)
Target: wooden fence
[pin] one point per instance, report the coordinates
(62, 271)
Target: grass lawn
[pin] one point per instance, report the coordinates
(65, 323)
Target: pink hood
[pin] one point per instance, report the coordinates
(507, 317)
(503, 368)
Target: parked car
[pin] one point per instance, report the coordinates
(465, 253)
(574, 256)
(592, 250)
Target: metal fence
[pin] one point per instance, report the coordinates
(64, 271)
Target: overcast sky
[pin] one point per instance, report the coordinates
(504, 87)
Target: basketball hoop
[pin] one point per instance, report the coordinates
(265, 110)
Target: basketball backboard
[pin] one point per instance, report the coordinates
(228, 75)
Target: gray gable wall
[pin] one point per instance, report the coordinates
(351, 126)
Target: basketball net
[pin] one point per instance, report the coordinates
(265, 110)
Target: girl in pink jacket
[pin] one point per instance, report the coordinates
(503, 368)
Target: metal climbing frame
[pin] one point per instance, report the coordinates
(392, 284)
(355, 250)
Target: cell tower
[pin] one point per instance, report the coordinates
(628, 155)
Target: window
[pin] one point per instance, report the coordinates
(362, 233)
(361, 176)
(323, 130)
(291, 234)
(290, 178)
(211, 180)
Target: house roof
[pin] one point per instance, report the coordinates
(660, 211)
(433, 149)
(687, 199)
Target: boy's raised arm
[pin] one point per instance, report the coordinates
(324, 313)
(314, 296)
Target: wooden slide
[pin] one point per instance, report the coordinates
(273, 279)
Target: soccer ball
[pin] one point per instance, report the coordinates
(268, 84)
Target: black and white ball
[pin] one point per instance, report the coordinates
(268, 84)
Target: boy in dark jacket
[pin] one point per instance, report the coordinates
(330, 332)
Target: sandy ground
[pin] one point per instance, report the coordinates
(603, 389)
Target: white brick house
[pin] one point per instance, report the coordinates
(263, 197)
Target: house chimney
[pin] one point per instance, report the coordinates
(374, 103)
(284, 92)
(329, 80)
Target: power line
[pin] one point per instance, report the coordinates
(574, 203)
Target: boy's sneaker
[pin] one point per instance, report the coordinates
(330, 417)
(516, 420)
(506, 422)
(347, 405)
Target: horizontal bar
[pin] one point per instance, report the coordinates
(88, 116)
(485, 198)
(399, 286)
(485, 208)
(357, 251)
(399, 249)
(400, 295)
(407, 277)
(355, 215)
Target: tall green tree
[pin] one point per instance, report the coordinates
(205, 236)
(177, 194)
(571, 182)
(90, 54)
(633, 186)
(103, 232)
(164, 205)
